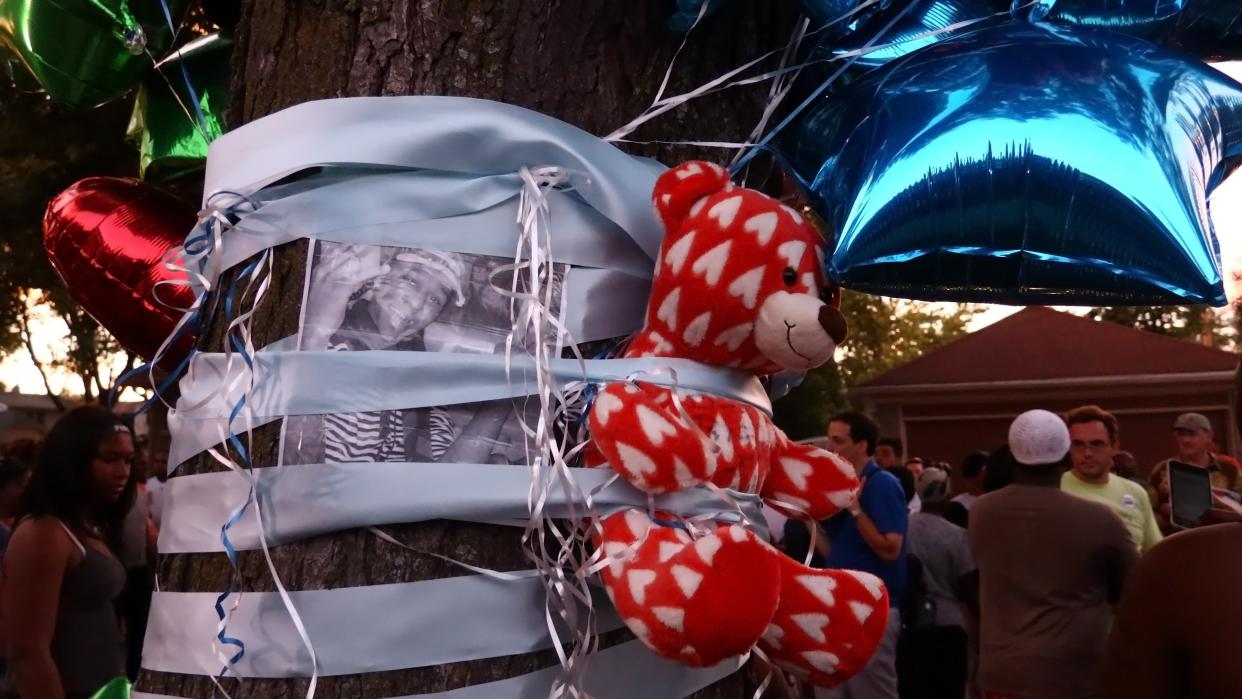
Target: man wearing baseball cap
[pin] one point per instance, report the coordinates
(1195, 444)
(1051, 565)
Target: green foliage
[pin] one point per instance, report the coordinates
(1184, 322)
(884, 334)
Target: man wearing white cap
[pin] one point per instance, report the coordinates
(1051, 565)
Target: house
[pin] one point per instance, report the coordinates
(27, 416)
(30, 416)
(961, 397)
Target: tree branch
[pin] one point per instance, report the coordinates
(130, 360)
(23, 319)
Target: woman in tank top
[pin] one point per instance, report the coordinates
(61, 577)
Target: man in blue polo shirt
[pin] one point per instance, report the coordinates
(869, 535)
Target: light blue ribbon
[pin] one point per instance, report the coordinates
(364, 381)
(425, 209)
(623, 671)
(433, 172)
(358, 629)
(449, 134)
(307, 500)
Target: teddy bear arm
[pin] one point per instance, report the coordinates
(695, 600)
(646, 439)
(805, 480)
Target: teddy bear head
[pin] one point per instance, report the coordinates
(739, 279)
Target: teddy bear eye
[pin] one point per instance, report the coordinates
(791, 276)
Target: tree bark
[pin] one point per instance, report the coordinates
(595, 64)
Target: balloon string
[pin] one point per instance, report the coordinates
(185, 76)
(852, 57)
(197, 247)
(777, 95)
(780, 87)
(228, 661)
(660, 106)
(240, 341)
(558, 547)
(486, 572)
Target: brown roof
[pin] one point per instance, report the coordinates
(1042, 343)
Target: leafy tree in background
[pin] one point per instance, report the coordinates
(1194, 323)
(884, 333)
(43, 149)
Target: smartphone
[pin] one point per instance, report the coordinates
(1190, 493)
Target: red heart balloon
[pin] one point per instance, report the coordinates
(107, 238)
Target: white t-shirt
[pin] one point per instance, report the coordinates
(965, 500)
(155, 492)
(776, 524)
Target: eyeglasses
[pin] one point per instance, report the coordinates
(1095, 444)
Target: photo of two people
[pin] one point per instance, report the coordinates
(366, 297)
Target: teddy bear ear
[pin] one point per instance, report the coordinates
(679, 189)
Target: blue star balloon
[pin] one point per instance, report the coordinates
(1210, 28)
(1150, 19)
(1027, 163)
(918, 23)
(1204, 28)
(833, 12)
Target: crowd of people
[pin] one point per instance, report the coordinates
(78, 515)
(1036, 570)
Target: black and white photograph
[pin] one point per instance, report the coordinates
(367, 297)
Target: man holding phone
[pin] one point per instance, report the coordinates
(1172, 638)
(1195, 440)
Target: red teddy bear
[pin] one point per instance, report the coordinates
(737, 284)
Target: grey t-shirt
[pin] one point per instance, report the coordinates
(944, 550)
(133, 553)
(1051, 565)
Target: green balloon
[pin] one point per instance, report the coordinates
(171, 140)
(118, 688)
(87, 52)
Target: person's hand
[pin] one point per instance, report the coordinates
(334, 279)
(855, 506)
(1224, 509)
(1218, 515)
(822, 544)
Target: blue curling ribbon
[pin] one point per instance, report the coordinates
(195, 323)
(185, 74)
(592, 389)
(244, 458)
(196, 244)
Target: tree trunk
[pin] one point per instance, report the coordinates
(595, 64)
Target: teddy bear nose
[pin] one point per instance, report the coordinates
(833, 322)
